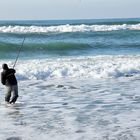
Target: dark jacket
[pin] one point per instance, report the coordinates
(8, 77)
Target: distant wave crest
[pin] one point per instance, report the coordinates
(67, 28)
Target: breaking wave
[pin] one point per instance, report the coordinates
(93, 67)
(67, 28)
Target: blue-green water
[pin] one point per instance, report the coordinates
(72, 48)
(78, 79)
(45, 39)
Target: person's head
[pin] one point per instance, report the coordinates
(5, 66)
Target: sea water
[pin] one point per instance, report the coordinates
(78, 79)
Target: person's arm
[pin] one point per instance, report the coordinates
(12, 71)
(3, 80)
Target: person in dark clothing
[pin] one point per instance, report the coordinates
(9, 80)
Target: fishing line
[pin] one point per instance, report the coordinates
(19, 51)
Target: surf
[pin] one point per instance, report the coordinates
(97, 67)
(67, 28)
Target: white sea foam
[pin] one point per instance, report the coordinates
(67, 28)
(73, 108)
(95, 67)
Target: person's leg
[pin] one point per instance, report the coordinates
(8, 93)
(15, 94)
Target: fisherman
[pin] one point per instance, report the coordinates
(9, 80)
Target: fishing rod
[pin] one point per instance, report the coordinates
(19, 51)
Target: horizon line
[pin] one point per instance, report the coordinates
(70, 19)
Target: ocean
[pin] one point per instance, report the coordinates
(78, 79)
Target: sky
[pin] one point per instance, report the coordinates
(68, 9)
